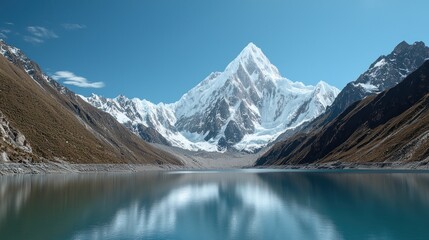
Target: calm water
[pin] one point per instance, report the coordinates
(216, 205)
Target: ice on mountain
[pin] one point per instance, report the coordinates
(380, 63)
(368, 87)
(250, 95)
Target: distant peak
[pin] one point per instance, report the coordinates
(403, 43)
(404, 46)
(401, 47)
(419, 44)
(121, 96)
(95, 96)
(322, 83)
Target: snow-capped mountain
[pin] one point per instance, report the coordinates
(386, 72)
(243, 108)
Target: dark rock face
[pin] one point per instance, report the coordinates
(233, 133)
(384, 73)
(210, 122)
(390, 126)
(151, 135)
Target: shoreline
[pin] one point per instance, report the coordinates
(26, 168)
(410, 166)
(7, 169)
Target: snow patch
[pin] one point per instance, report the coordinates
(368, 87)
(380, 63)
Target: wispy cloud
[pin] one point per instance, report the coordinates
(73, 26)
(4, 32)
(39, 34)
(71, 79)
(9, 23)
(32, 39)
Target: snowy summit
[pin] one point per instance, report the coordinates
(243, 108)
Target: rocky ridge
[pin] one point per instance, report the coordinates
(389, 127)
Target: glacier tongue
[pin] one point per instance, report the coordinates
(243, 108)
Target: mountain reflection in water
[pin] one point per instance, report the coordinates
(216, 205)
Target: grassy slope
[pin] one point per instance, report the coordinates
(58, 125)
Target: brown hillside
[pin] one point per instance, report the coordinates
(391, 126)
(64, 126)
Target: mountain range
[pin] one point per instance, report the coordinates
(42, 120)
(386, 72)
(243, 108)
(382, 116)
(387, 126)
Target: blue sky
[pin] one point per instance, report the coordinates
(159, 49)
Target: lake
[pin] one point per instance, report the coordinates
(236, 204)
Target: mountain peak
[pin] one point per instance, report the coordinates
(251, 50)
(242, 108)
(401, 47)
(321, 83)
(419, 44)
(252, 58)
(404, 46)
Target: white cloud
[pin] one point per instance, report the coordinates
(39, 34)
(9, 23)
(73, 26)
(32, 39)
(71, 79)
(4, 32)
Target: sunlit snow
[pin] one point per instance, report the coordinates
(272, 104)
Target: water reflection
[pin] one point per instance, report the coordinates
(215, 205)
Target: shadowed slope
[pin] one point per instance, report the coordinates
(391, 126)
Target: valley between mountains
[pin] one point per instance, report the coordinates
(245, 115)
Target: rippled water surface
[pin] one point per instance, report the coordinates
(242, 204)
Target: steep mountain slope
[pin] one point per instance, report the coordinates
(390, 126)
(242, 108)
(384, 73)
(58, 124)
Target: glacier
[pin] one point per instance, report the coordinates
(243, 108)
